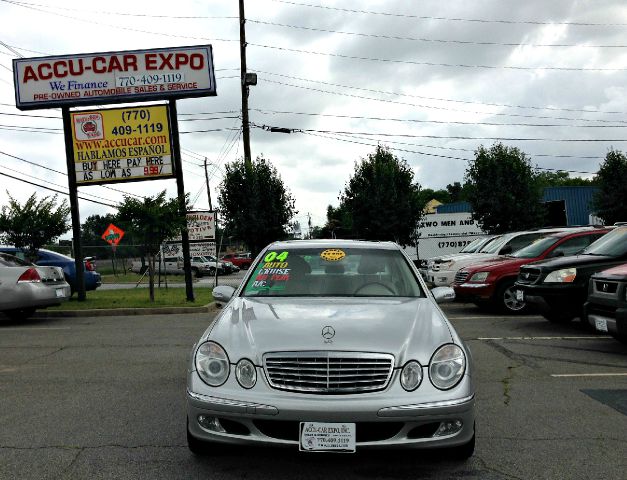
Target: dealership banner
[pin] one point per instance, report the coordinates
(201, 226)
(113, 77)
(121, 144)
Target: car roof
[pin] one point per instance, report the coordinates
(579, 231)
(335, 243)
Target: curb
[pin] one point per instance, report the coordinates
(110, 312)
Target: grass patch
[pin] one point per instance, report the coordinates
(137, 298)
(131, 277)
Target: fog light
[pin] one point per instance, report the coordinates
(210, 423)
(448, 427)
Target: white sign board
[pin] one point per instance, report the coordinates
(443, 233)
(196, 248)
(201, 226)
(113, 77)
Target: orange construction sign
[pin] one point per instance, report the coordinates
(112, 235)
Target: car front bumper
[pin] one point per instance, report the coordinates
(615, 323)
(383, 420)
(441, 278)
(474, 292)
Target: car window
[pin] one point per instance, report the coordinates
(473, 246)
(614, 244)
(571, 246)
(7, 260)
(521, 241)
(352, 272)
(496, 245)
(537, 248)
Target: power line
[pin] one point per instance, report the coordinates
(436, 64)
(444, 122)
(453, 19)
(397, 102)
(442, 99)
(450, 137)
(429, 40)
(422, 153)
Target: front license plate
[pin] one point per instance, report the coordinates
(60, 292)
(520, 296)
(600, 324)
(327, 437)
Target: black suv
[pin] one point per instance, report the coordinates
(558, 287)
(606, 308)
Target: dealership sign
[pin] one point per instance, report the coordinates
(201, 226)
(114, 77)
(121, 144)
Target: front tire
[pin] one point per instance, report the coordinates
(506, 301)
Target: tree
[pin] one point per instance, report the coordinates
(427, 194)
(457, 192)
(34, 224)
(91, 234)
(610, 202)
(383, 199)
(503, 190)
(339, 223)
(562, 179)
(255, 205)
(154, 220)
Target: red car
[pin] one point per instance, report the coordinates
(491, 283)
(241, 260)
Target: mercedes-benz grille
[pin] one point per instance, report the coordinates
(328, 372)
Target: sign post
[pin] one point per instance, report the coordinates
(119, 144)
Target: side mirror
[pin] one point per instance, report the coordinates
(443, 294)
(223, 293)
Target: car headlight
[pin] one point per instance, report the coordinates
(246, 373)
(566, 275)
(411, 375)
(212, 364)
(479, 277)
(447, 366)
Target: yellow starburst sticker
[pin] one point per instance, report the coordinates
(332, 254)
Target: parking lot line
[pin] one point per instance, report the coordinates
(578, 337)
(589, 374)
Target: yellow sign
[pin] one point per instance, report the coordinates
(332, 254)
(122, 144)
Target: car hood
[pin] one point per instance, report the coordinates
(572, 261)
(408, 328)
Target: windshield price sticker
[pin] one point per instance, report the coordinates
(327, 437)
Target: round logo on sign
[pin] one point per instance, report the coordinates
(332, 254)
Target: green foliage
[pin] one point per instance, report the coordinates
(255, 205)
(562, 179)
(458, 192)
(503, 190)
(34, 224)
(610, 202)
(154, 220)
(428, 194)
(382, 199)
(339, 223)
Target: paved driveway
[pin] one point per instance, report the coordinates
(105, 398)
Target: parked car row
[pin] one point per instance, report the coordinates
(53, 259)
(241, 260)
(590, 285)
(25, 287)
(202, 265)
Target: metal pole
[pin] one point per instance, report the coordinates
(207, 182)
(76, 219)
(242, 50)
(178, 167)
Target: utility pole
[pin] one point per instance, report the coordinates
(245, 83)
(207, 182)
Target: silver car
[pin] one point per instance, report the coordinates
(24, 287)
(335, 346)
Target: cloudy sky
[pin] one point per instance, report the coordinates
(432, 80)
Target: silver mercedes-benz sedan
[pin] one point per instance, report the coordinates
(331, 345)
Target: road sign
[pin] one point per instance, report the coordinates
(113, 235)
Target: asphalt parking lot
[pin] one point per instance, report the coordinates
(105, 398)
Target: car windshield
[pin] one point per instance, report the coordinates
(347, 272)
(495, 245)
(536, 248)
(473, 246)
(614, 244)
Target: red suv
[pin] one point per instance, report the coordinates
(491, 283)
(241, 260)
